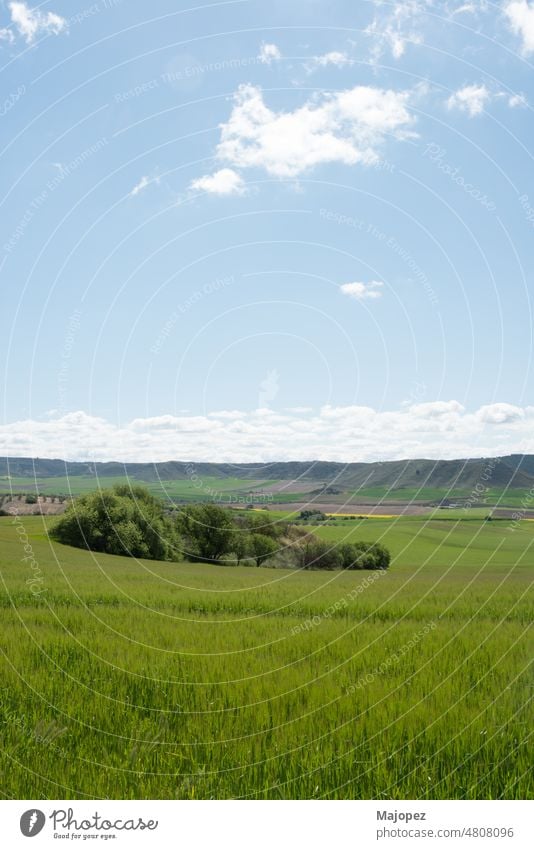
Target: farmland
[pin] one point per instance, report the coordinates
(140, 679)
(182, 490)
(283, 494)
(505, 482)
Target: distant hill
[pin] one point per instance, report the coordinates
(515, 471)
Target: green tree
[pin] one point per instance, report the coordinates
(261, 524)
(262, 547)
(209, 531)
(122, 520)
(317, 554)
(241, 545)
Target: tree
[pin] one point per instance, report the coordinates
(122, 520)
(382, 555)
(208, 530)
(317, 554)
(264, 525)
(262, 547)
(241, 546)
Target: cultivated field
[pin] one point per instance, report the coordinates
(125, 679)
(298, 494)
(196, 490)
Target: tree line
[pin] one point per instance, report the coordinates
(129, 521)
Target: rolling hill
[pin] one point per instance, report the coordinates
(515, 471)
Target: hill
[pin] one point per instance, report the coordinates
(515, 471)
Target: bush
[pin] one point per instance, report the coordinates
(31, 499)
(122, 520)
(314, 553)
(312, 516)
(364, 555)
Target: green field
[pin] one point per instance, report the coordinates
(127, 679)
(493, 497)
(183, 490)
(223, 488)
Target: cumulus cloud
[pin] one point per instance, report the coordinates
(471, 99)
(30, 23)
(363, 291)
(434, 409)
(500, 414)
(520, 15)
(474, 99)
(269, 53)
(223, 182)
(345, 127)
(439, 429)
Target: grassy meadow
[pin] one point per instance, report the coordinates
(125, 679)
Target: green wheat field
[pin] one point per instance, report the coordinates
(125, 679)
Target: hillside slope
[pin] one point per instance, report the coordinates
(515, 471)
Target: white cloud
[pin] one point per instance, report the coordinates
(6, 35)
(473, 7)
(335, 57)
(432, 409)
(223, 182)
(269, 53)
(471, 99)
(439, 429)
(362, 291)
(396, 26)
(465, 8)
(345, 127)
(30, 23)
(499, 413)
(520, 16)
(142, 184)
(517, 100)
(475, 98)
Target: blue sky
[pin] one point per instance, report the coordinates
(254, 231)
